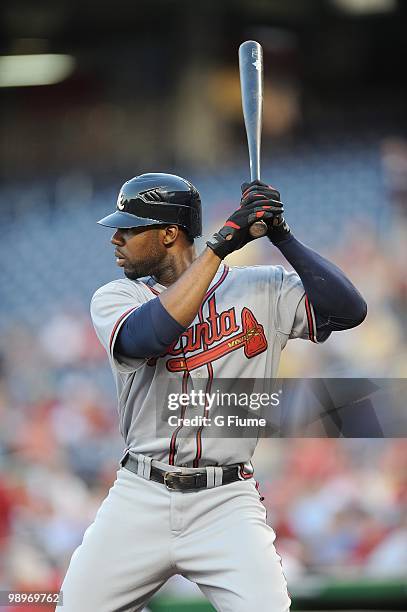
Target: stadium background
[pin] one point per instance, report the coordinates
(154, 86)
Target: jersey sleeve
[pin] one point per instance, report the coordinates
(294, 314)
(110, 307)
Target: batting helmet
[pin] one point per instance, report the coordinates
(157, 199)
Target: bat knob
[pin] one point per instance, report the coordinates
(258, 229)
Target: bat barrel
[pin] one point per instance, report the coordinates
(251, 82)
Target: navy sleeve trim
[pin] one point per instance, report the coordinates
(147, 332)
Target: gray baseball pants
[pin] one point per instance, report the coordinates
(143, 534)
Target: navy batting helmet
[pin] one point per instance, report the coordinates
(157, 199)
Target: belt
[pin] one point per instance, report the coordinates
(177, 481)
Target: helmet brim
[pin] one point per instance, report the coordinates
(126, 220)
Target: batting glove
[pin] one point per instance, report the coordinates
(235, 233)
(269, 197)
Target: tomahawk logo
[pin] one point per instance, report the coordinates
(217, 336)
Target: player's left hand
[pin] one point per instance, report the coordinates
(235, 232)
(267, 196)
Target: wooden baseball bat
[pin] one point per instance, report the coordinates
(251, 85)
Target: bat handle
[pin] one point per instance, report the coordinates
(258, 228)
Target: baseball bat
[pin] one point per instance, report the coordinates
(251, 85)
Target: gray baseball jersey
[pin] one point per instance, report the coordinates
(245, 320)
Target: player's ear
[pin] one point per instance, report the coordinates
(170, 234)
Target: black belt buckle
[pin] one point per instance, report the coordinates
(175, 481)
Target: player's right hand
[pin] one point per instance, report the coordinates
(257, 191)
(235, 233)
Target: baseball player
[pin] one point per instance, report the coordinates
(188, 504)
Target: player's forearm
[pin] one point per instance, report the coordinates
(183, 298)
(331, 293)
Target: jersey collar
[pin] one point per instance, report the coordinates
(157, 288)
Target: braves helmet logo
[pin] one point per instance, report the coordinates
(120, 201)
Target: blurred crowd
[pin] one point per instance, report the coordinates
(338, 506)
(59, 448)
